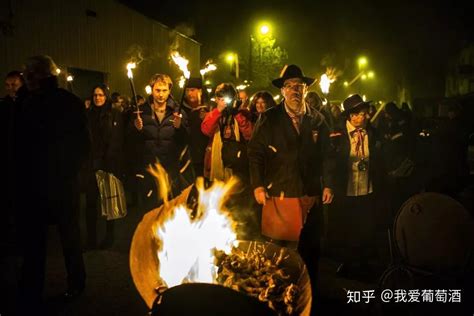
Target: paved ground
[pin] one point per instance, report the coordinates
(110, 290)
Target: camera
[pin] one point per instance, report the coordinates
(232, 102)
(362, 165)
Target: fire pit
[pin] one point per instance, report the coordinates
(197, 295)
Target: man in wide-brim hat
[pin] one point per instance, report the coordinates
(285, 159)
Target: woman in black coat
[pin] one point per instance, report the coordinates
(106, 128)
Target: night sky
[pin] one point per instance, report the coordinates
(405, 42)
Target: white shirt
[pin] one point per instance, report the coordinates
(358, 180)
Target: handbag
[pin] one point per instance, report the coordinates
(283, 218)
(112, 195)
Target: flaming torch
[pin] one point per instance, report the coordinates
(208, 67)
(326, 79)
(182, 63)
(324, 83)
(69, 80)
(131, 66)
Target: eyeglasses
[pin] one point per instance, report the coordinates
(297, 86)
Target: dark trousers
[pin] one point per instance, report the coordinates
(33, 221)
(92, 211)
(198, 169)
(309, 248)
(352, 225)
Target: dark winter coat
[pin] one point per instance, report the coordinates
(161, 141)
(281, 160)
(340, 148)
(106, 130)
(197, 140)
(51, 145)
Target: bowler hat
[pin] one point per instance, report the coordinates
(353, 103)
(290, 72)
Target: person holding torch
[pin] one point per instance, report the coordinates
(161, 134)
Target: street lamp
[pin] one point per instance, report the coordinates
(233, 58)
(362, 62)
(263, 30)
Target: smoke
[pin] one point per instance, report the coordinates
(135, 54)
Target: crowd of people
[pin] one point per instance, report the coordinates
(293, 159)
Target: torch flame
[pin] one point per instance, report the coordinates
(327, 78)
(181, 82)
(130, 66)
(209, 67)
(162, 180)
(182, 63)
(186, 243)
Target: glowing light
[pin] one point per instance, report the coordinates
(69, 78)
(362, 61)
(209, 67)
(130, 66)
(264, 29)
(227, 100)
(209, 90)
(207, 82)
(364, 97)
(363, 77)
(370, 74)
(277, 97)
(241, 87)
(230, 57)
(58, 71)
(346, 84)
(181, 82)
(148, 89)
(325, 83)
(186, 243)
(182, 63)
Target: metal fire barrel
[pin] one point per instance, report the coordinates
(434, 232)
(144, 266)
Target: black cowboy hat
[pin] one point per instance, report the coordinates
(194, 82)
(290, 72)
(353, 103)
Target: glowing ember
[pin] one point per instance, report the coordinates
(182, 63)
(186, 243)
